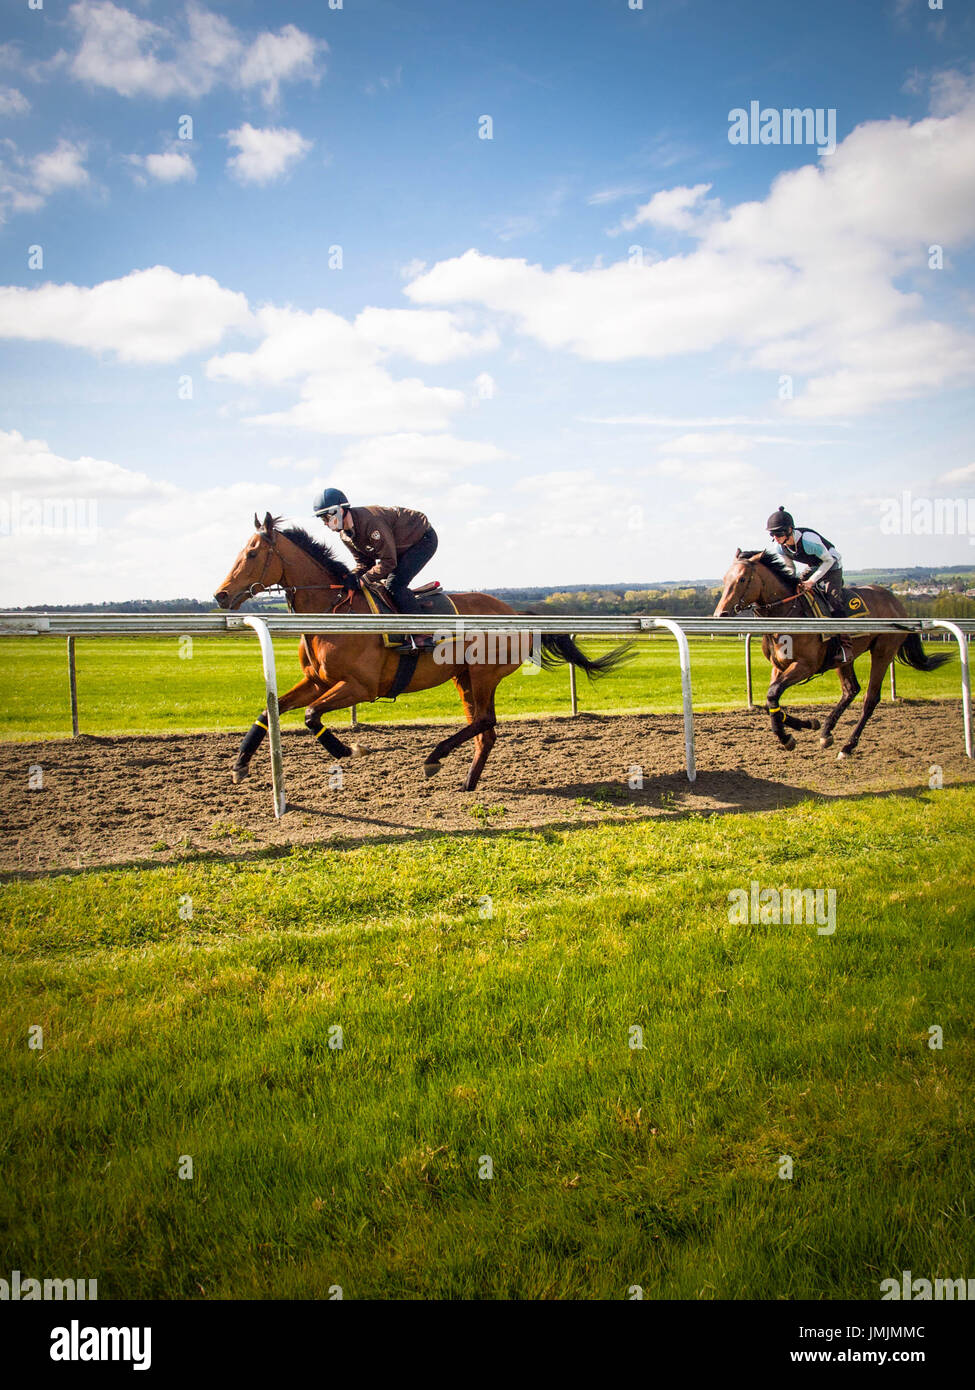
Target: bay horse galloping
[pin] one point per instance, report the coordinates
(355, 668)
(757, 581)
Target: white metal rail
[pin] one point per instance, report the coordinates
(73, 626)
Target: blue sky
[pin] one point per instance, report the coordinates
(599, 346)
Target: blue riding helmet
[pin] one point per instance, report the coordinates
(330, 498)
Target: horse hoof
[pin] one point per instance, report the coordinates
(789, 743)
(431, 769)
(239, 774)
(841, 756)
(356, 750)
(814, 724)
(826, 741)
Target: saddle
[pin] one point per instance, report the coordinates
(854, 606)
(430, 598)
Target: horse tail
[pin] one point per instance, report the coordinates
(561, 648)
(912, 653)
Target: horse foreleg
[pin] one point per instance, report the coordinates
(880, 657)
(338, 696)
(300, 694)
(781, 680)
(849, 690)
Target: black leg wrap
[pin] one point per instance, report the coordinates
(779, 720)
(253, 739)
(327, 740)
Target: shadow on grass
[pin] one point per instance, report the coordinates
(657, 800)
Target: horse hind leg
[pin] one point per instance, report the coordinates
(481, 720)
(880, 659)
(484, 742)
(849, 690)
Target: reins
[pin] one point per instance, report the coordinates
(289, 590)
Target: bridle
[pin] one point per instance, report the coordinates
(763, 610)
(289, 590)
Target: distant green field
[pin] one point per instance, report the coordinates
(487, 1128)
(141, 684)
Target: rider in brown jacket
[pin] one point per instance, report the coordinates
(390, 544)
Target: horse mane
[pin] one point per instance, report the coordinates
(774, 566)
(315, 549)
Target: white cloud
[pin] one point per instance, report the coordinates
(338, 367)
(150, 315)
(62, 167)
(13, 102)
(427, 335)
(610, 195)
(275, 58)
(678, 209)
(966, 474)
(26, 183)
(265, 154)
(366, 402)
(804, 282)
(134, 56)
(87, 530)
(295, 344)
(420, 461)
(29, 466)
(171, 166)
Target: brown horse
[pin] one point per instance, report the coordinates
(353, 668)
(759, 582)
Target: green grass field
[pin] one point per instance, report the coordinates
(507, 1036)
(142, 685)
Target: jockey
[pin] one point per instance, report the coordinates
(822, 562)
(391, 544)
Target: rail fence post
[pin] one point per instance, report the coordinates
(273, 720)
(685, 683)
(966, 677)
(748, 670)
(893, 680)
(73, 688)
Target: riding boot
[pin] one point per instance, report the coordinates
(402, 596)
(831, 588)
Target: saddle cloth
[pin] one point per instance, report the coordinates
(430, 598)
(854, 605)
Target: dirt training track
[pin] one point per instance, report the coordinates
(124, 799)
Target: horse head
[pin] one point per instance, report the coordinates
(744, 584)
(259, 566)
